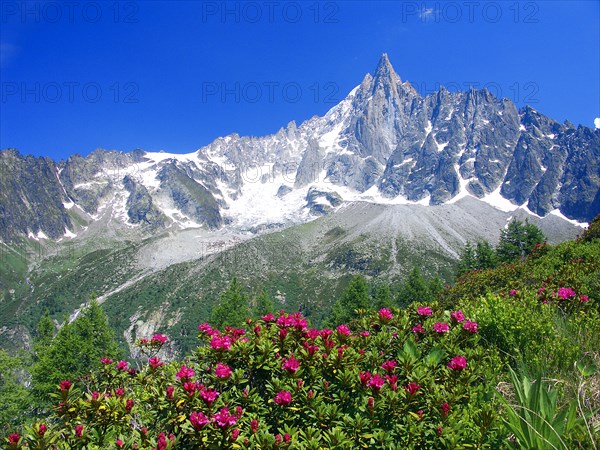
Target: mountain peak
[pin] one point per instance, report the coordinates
(385, 72)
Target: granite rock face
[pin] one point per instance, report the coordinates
(383, 143)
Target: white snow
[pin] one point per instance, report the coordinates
(557, 213)
(442, 146)
(429, 127)
(406, 161)
(161, 156)
(551, 135)
(597, 123)
(41, 235)
(497, 201)
(89, 184)
(68, 205)
(69, 233)
(522, 127)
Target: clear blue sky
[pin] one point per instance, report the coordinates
(175, 75)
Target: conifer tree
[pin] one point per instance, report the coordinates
(517, 240)
(233, 309)
(76, 349)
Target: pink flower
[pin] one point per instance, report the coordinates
(283, 398)
(42, 430)
(584, 298)
(119, 443)
(389, 366)
(14, 438)
(565, 293)
(365, 333)
(119, 392)
(235, 434)
(129, 405)
(418, 328)
(254, 426)
(371, 403)
(122, 365)
(392, 381)
(220, 342)
(198, 420)
(445, 409)
(190, 387)
(205, 328)
(458, 363)
(78, 431)
(385, 314)
(298, 322)
(155, 362)
(209, 396)
(65, 385)
(470, 326)
(376, 382)
(268, 318)
(170, 390)
(513, 293)
(343, 330)
(222, 371)
(106, 360)
(161, 442)
(185, 373)
(312, 334)
(424, 311)
(364, 377)
(159, 339)
(412, 388)
(325, 333)
(290, 364)
(441, 327)
(458, 315)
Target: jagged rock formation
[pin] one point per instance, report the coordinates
(384, 143)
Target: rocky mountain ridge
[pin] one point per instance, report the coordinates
(384, 143)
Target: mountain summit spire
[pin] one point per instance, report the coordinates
(385, 71)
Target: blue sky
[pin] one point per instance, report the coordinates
(173, 76)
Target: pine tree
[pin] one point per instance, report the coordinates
(517, 240)
(382, 297)
(415, 289)
(356, 297)
(233, 308)
(263, 304)
(14, 397)
(76, 349)
(467, 260)
(485, 256)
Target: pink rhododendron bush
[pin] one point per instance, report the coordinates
(412, 379)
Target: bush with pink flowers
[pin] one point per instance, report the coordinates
(391, 379)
